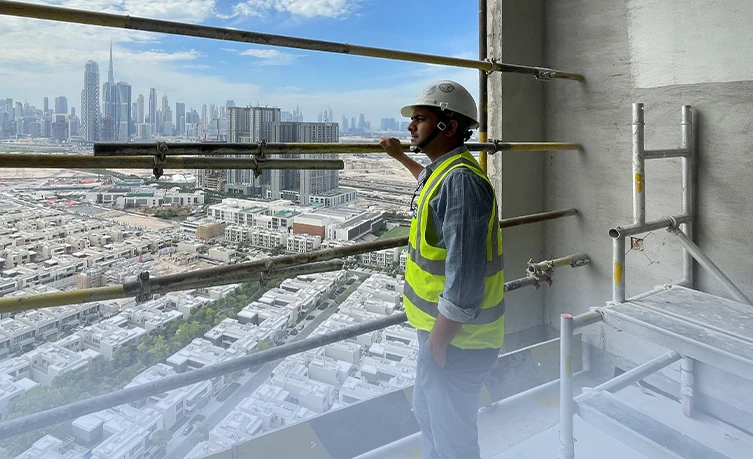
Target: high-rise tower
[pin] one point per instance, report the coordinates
(90, 114)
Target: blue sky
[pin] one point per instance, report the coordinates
(47, 58)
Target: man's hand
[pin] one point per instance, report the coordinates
(392, 146)
(438, 351)
(440, 337)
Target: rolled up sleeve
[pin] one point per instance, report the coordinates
(463, 207)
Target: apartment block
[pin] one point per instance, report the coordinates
(236, 427)
(232, 333)
(107, 336)
(314, 395)
(20, 334)
(200, 353)
(50, 360)
(44, 325)
(12, 388)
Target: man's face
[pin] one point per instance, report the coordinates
(422, 124)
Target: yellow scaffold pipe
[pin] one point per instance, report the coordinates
(285, 265)
(218, 149)
(75, 16)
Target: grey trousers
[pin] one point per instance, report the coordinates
(446, 400)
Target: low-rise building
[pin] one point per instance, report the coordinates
(50, 360)
(231, 333)
(19, 333)
(270, 404)
(149, 317)
(356, 390)
(43, 324)
(236, 427)
(66, 316)
(314, 395)
(12, 388)
(107, 336)
(200, 353)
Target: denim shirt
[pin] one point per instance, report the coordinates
(458, 220)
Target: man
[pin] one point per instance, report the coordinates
(454, 278)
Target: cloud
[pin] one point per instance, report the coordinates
(304, 8)
(270, 56)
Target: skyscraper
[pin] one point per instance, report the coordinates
(123, 112)
(110, 105)
(110, 74)
(153, 109)
(90, 102)
(140, 109)
(167, 117)
(61, 105)
(180, 118)
(46, 106)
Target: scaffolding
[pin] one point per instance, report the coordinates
(159, 156)
(666, 315)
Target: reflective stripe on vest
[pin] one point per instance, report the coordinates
(485, 316)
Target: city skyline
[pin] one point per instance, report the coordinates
(198, 72)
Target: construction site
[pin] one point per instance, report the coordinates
(616, 136)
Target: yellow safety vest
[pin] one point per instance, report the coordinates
(425, 269)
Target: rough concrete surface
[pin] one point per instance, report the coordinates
(601, 40)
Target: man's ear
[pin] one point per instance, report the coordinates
(452, 128)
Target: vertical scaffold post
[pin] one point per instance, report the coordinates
(639, 172)
(689, 182)
(483, 84)
(567, 443)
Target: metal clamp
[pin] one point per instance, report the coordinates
(496, 143)
(260, 156)
(673, 227)
(262, 145)
(541, 73)
(540, 275)
(145, 288)
(493, 62)
(160, 160)
(265, 275)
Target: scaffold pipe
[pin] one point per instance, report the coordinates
(132, 394)
(119, 21)
(229, 274)
(219, 149)
(50, 161)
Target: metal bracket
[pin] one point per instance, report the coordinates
(493, 62)
(160, 160)
(541, 73)
(264, 276)
(262, 145)
(496, 143)
(260, 156)
(145, 291)
(539, 274)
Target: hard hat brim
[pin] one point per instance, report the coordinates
(407, 112)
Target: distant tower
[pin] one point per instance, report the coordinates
(110, 73)
(90, 115)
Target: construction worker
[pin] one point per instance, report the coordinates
(454, 278)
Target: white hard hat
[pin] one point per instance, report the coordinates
(446, 95)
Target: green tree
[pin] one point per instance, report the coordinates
(160, 438)
(199, 434)
(190, 330)
(263, 344)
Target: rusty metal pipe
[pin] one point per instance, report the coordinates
(218, 149)
(120, 21)
(47, 161)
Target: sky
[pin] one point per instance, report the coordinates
(45, 58)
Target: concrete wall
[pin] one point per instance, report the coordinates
(663, 54)
(522, 180)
